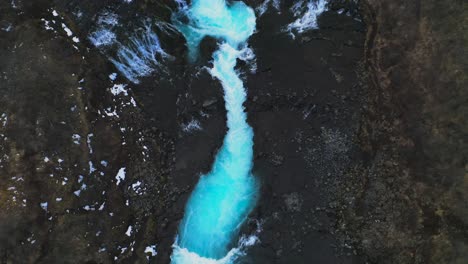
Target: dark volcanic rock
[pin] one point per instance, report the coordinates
(304, 105)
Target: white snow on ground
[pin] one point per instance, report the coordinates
(91, 167)
(118, 89)
(76, 139)
(136, 185)
(49, 25)
(4, 119)
(44, 206)
(151, 249)
(88, 141)
(138, 188)
(120, 175)
(109, 112)
(129, 231)
(67, 30)
(113, 76)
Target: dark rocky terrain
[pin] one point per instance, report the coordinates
(360, 135)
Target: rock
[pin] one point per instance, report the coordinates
(209, 102)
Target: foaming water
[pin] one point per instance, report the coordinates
(140, 57)
(305, 20)
(262, 8)
(102, 37)
(223, 198)
(233, 24)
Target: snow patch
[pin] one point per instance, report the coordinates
(67, 30)
(120, 175)
(118, 89)
(151, 250)
(129, 231)
(44, 206)
(76, 139)
(113, 76)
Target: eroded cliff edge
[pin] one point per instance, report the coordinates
(412, 204)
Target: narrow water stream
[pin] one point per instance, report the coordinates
(224, 197)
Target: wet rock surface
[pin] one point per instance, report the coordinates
(360, 135)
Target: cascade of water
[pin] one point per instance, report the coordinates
(140, 57)
(224, 197)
